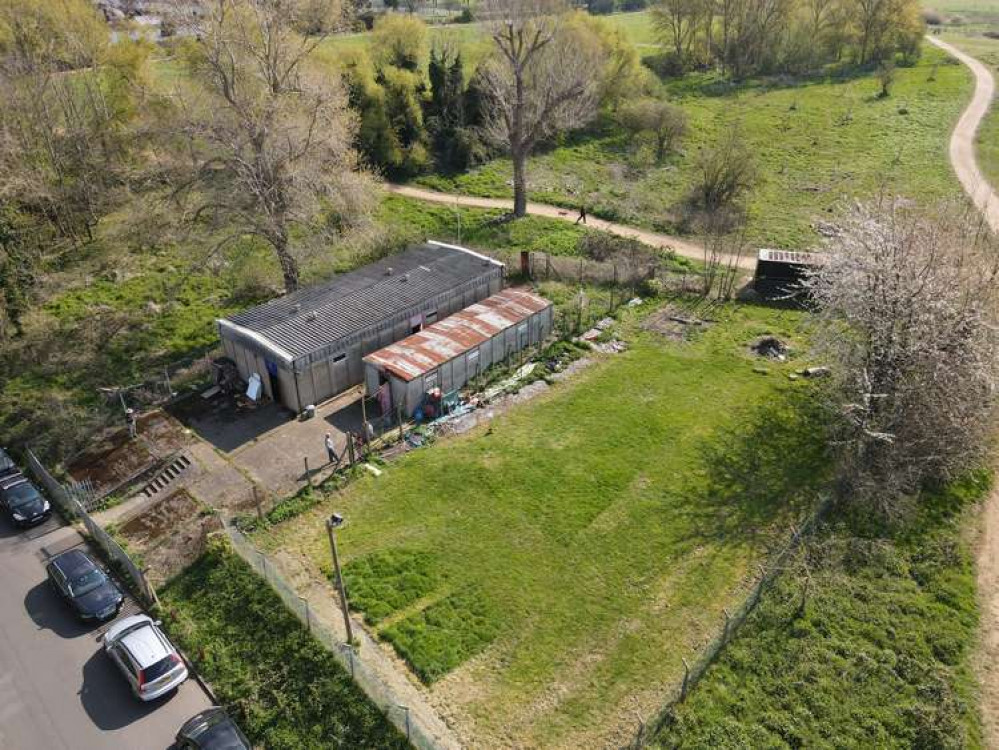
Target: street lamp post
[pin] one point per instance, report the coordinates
(332, 523)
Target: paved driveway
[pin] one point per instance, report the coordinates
(58, 691)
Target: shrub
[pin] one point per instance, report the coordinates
(932, 17)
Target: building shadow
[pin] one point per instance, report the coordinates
(226, 426)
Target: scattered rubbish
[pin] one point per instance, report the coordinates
(816, 372)
(793, 376)
(614, 346)
(211, 392)
(373, 469)
(771, 347)
(605, 323)
(591, 335)
(761, 370)
(635, 301)
(254, 387)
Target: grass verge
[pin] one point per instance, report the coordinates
(283, 688)
(877, 657)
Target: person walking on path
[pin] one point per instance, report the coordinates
(331, 450)
(582, 213)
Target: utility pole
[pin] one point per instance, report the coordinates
(333, 523)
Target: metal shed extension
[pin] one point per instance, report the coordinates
(307, 346)
(448, 354)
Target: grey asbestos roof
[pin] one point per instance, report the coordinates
(303, 322)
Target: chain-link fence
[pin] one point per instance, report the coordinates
(358, 659)
(72, 509)
(694, 670)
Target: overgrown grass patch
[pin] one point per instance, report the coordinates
(877, 657)
(283, 688)
(387, 581)
(446, 634)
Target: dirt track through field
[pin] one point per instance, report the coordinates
(686, 248)
(962, 157)
(962, 140)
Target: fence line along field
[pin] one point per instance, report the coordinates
(544, 575)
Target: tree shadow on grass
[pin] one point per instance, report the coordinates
(771, 463)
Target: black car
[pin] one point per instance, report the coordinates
(23, 502)
(82, 583)
(211, 730)
(7, 465)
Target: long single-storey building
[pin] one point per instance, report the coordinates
(307, 346)
(448, 354)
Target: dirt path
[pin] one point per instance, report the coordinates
(962, 157)
(682, 247)
(962, 140)
(987, 570)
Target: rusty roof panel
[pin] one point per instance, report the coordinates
(441, 342)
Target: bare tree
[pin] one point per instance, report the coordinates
(273, 135)
(541, 79)
(678, 22)
(906, 318)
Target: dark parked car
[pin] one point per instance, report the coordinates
(88, 589)
(23, 502)
(211, 730)
(7, 465)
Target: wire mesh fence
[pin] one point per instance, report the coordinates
(73, 510)
(411, 723)
(695, 669)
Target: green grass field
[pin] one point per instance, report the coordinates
(282, 687)
(545, 575)
(878, 657)
(818, 145)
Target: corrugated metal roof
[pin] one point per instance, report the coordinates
(297, 324)
(441, 342)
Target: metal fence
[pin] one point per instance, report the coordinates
(695, 670)
(72, 509)
(412, 724)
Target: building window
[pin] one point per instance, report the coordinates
(339, 358)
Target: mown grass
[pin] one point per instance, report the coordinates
(878, 656)
(818, 143)
(281, 686)
(582, 543)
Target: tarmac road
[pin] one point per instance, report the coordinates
(58, 690)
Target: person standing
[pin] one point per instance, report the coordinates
(331, 449)
(582, 213)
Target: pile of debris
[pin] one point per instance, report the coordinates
(674, 323)
(600, 338)
(771, 347)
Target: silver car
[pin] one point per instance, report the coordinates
(148, 660)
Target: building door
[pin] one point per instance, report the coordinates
(275, 381)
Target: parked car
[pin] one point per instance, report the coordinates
(145, 656)
(7, 465)
(23, 502)
(211, 730)
(87, 588)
